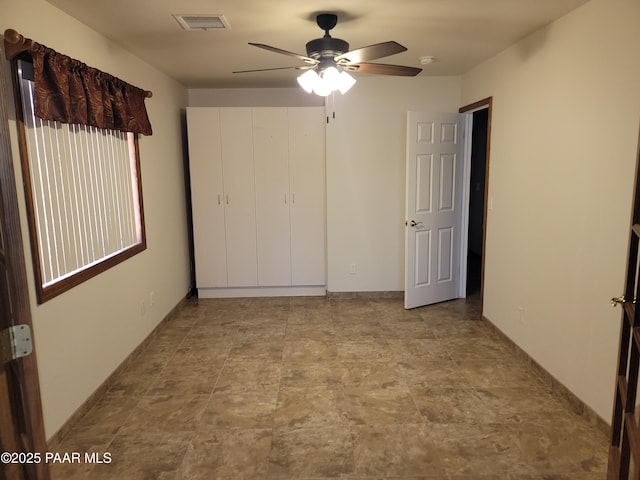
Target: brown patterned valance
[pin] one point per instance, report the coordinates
(69, 91)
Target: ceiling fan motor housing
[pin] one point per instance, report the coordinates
(326, 46)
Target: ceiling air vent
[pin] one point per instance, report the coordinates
(202, 22)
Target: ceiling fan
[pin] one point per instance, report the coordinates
(329, 60)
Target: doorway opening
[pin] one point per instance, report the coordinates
(476, 200)
(443, 236)
(478, 188)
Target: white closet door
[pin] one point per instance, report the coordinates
(205, 166)
(307, 172)
(271, 157)
(236, 142)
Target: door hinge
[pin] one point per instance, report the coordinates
(15, 342)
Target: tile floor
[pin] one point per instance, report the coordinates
(311, 388)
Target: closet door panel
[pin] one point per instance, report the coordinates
(307, 173)
(205, 166)
(236, 143)
(270, 153)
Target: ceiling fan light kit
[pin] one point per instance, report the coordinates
(329, 60)
(329, 80)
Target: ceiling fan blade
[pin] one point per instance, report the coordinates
(308, 60)
(371, 52)
(384, 69)
(269, 69)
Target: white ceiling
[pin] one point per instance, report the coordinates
(459, 33)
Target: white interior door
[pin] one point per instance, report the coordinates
(271, 157)
(434, 208)
(236, 139)
(207, 193)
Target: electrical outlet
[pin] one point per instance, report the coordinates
(353, 269)
(143, 308)
(152, 299)
(521, 313)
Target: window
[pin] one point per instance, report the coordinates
(83, 194)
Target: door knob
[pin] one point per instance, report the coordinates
(618, 300)
(412, 223)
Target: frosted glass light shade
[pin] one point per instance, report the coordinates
(308, 80)
(331, 75)
(322, 87)
(345, 82)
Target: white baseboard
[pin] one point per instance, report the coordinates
(304, 291)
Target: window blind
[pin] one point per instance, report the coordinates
(84, 191)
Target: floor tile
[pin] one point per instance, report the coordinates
(433, 373)
(396, 450)
(309, 407)
(324, 452)
(479, 449)
(450, 405)
(241, 374)
(227, 454)
(166, 413)
(562, 444)
(312, 347)
(497, 372)
(311, 375)
(143, 455)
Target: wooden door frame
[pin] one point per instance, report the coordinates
(623, 446)
(480, 105)
(27, 368)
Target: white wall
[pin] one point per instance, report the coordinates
(566, 109)
(366, 145)
(84, 334)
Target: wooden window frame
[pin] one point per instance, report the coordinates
(52, 290)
